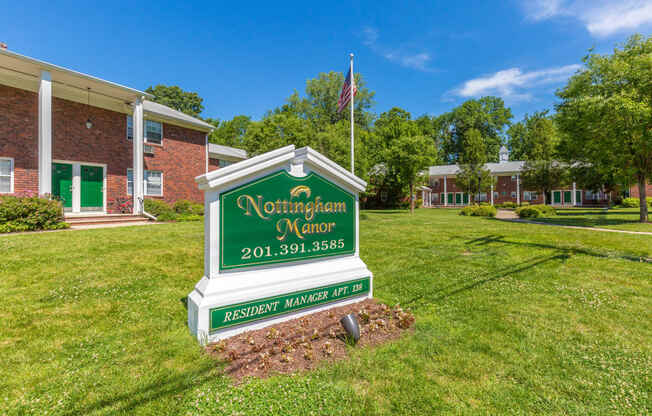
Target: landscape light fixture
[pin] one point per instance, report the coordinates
(89, 123)
(350, 324)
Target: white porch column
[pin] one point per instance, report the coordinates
(138, 171)
(492, 190)
(574, 197)
(45, 134)
(518, 189)
(445, 193)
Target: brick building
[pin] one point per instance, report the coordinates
(74, 136)
(443, 191)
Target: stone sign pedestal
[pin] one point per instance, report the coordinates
(281, 241)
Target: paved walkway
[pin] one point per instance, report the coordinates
(506, 215)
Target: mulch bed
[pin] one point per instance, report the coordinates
(303, 343)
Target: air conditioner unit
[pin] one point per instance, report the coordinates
(148, 150)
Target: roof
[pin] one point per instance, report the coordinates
(168, 113)
(504, 167)
(32, 68)
(217, 151)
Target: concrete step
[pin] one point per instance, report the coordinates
(104, 219)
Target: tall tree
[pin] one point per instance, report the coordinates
(606, 113)
(408, 157)
(230, 132)
(488, 115)
(174, 97)
(522, 136)
(473, 176)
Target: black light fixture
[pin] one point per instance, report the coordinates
(350, 324)
(89, 123)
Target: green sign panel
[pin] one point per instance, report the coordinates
(231, 315)
(281, 218)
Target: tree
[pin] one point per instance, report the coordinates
(473, 176)
(229, 132)
(542, 170)
(408, 157)
(524, 134)
(488, 115)
(606, 113)
(174, 97)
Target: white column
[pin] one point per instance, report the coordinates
(45, 134)
(574, 197)
(492, 190)
(445, 193)
(138, 170)
(518, 189)
(76, 187)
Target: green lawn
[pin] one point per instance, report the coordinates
(617, 218)
(511, 319)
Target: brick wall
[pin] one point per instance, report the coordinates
(213, 164)
(181, 157)
(19, 136)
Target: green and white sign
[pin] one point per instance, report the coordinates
(280, 241)
(282, 218)
(277, 305)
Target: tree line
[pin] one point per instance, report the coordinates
(599, 135)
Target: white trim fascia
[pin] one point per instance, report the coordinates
(176, 122)
(11, 174)
(48, 66)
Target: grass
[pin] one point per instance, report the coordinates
(511, 319)
(615, 218)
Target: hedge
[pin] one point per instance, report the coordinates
(30, 213)
(182, 210)
(479, 211)
(634, 202)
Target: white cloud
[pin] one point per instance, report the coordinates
(600, 17)
(418, 60)
(513, 84)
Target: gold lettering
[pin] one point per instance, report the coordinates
(269, 207)
(250, 202)
(284, 226)
(340, 207)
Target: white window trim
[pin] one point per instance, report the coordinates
(11, 174)
(145, 132)
(145, 182)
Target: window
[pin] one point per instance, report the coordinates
(383, 196)
(130, 127)
(495, 195)
(513, 194)
(503, 193)
(152, 182)
(224, 163)
(526, 196)
(6, 176)
(514, 178)
(483, 197)
(153, 132)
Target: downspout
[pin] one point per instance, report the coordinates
(145, 213)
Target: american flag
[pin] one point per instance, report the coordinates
(345, 95)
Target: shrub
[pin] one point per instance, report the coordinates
(182, 206)
(535, 211)
(188, 217)
(528, 212)
(157, 207)
(525, 204)
(479, 211)
(30, 213)
(509, 204)
(630, 202)
(648, 200)
(167, 216)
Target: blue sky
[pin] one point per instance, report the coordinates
(247, 57)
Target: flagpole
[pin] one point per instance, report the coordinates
(352, 87)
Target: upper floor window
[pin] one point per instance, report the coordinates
(6, 176)
(153, 132)
(224, 163)
(130, 127)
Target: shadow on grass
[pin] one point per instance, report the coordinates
(464, 285)
(128, 402)
(500, 239)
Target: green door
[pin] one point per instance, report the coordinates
(556, 197)
(568, 195)
(450, 198)
(442, 196)
(578, 197)
(92, 181)
(62, 183)
(458, 199)
(466, 199)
